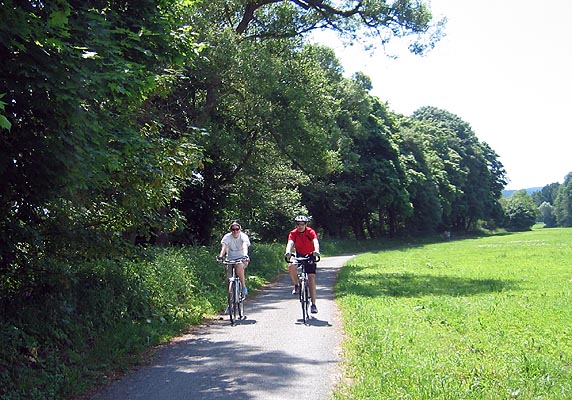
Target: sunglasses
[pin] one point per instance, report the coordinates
(235, 229)
(300, 223)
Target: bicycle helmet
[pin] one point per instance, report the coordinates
(301, 218)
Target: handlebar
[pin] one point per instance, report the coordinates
(300, 260)
(233, 261)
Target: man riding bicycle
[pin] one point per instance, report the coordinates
(235, 246)
(305, 240)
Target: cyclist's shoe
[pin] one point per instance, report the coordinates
(296, 289)
(244, 291)
(313, 309)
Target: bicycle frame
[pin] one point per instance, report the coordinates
(235, 297)
(303, 282)
(304, 291)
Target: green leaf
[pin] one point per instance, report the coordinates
(59, 19)
(4, 123)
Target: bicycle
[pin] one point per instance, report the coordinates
(235, 296)
(303, 281)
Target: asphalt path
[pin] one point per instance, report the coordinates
(269, 355)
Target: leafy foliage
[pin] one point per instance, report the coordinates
(76, 162)
(554, 203)
(547, 194)
(546, 211)
(362, 193)
(418, 160)
(57, 343)
(520, 211)
(259, 91)
(563, 203)
(471, 167)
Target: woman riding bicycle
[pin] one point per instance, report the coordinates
(234, 245)
(305, 240)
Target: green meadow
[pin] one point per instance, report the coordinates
(479, 318)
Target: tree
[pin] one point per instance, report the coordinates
(422, 185)
(563, 203)
(274, 108)
(547, 214)
(77, 163)
(471, 176)
(365, 196)
(253, 89)
(378, 19)
(546, 194)
(520, 211)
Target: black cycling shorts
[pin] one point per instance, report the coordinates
(310, 267)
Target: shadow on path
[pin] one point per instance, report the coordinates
(269, 355)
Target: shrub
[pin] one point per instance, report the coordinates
(77, 323)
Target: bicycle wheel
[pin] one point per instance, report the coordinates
(236, 305)
(307, 302)
(231, 301)
(240, 301)
(304, 299)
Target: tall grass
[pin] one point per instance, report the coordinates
(481, 318)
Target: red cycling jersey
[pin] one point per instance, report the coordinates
(303, 241)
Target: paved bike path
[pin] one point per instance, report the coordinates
(270, 355)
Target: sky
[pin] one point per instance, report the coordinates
(504, 67)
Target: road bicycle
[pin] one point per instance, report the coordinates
(303, 282)
(235, 296)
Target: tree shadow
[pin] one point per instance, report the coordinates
(415, 285)
(192, 369)
(219, 361)
(404, 244)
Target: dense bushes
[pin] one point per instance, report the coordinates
(520, 212)
(82, 321)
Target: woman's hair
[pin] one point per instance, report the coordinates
(234, 224)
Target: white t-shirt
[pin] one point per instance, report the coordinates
(235, 245)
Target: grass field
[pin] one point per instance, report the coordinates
(482, 318)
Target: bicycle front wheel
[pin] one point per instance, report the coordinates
(231, 301)
(240, 301)
(304, 299)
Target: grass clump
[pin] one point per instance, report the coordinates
(480, 318)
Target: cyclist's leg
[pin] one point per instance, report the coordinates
(312, 284)
(311, 270)
(240, 272)
(293, 273)
(242, 289)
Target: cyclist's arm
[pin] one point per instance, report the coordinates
(289, 246)
(245, 245)
(316, 245)
(223, 250)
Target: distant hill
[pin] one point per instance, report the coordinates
(508, 193)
